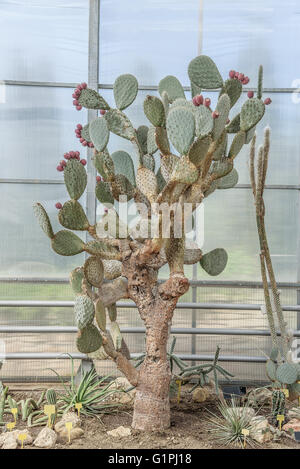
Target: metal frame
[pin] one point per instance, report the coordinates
(93, 81)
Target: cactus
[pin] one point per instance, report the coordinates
(197, 156)
(278, 404)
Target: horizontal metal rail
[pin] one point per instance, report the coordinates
(79, 356)
(196, 283)
(104, 86)
(130, 304)
(140, 330)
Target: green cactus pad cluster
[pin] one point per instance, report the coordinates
(123, 164)
(181, 128)
(154, 111)
(72, 216)
(204, 73)
(94, 271)
(84, 311)
(67, 243)
(43, 220)
(172, 86)
(90, 99)
(99, 133)
(89, 339)
(125, 90)
(75, 179)
(214, 262)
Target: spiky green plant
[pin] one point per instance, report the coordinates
(197, 148)
(227, 427)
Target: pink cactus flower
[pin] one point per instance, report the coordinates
(78, 108)
(232, 74)
(194, 100)
(75, 102)
(215, 114)
(102, 112)
(79, 87)
(250, 94)
(67, 156)
(246, 81)
(267, 101)
(106, 210)
(90, 145)
(62, 163)
(58, 205)
(207, 102)
(241, 77)
(84, 143)
(79, 126)
(83, 162)
(59, 168)
(236, 75)
(83, 85)
(98, 178)
(228, 121)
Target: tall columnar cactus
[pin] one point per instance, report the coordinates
(197, 147)
(280, 367)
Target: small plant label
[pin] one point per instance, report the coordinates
(245, 432)
(78, 407)
(10, 426)
(14, 411)
(22, 437)
(69, 428)
(49, 410)
(280, 419)
(285, 392)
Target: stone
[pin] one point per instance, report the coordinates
(122, 384)
(67, 417)
(27, 441)
(75, 433)
(46, 438)
(120, 432)
(200, 395)
(294, 413)
(260, 430)
(10, 442)
(292, 425)
(259, 397)
(7, 437)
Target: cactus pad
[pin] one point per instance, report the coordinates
(237, 144)
(102, 249)
(151, 141)
(94, 271)
(191, 256)
(154, 111)
(119, 124)
(100, 314)
(90, 99)
(43, 220)
(72, 216)
(84, 311)
(112, 312)
(204, 121)
(160, 180)
(221, 146)
(199, 149)
(168, 164)
(116, 335)
(125, 90)
(213, 186)
(85, 133)
(67, 243)
(185, 171)
(181, 128)
(103, 193)
(214, 262)
(142, 133)
(162, 141)
(76, 277)
(172, 86)
(75, 179)
(221, 167)
(146, 182)
(251, 113)
(271, 368)
(204, 73)
(112, 269)
(287, 373)
(148, 162)
(223, 108)
(122, 186)
(234, 126)
(233, 88)
(229, 181)
(123, 164)
(89, 339)
(99, 133)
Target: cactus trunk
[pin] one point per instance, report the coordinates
(152, 406)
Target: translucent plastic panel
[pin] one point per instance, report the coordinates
(150, 39)
(44, 41)
(242, 35)
(37, 128)
(25, 249)
(229, 222)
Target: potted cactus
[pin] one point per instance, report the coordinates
(196, 159)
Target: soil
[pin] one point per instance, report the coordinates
(189, 430)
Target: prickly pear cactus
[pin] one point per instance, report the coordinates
(197, 145)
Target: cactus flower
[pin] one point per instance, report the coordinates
(207, 102)
(58, 205)
(250, 94)
(267, 101)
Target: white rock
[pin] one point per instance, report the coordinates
(120, 432)
(67, 417)
(46, 438)
(10, 442)
(260, 430)
(74, 433)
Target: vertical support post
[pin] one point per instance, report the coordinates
(93, 80)
(194, 311)
(298, 262)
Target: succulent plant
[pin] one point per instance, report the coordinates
(122, 265)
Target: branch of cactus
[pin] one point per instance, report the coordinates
(208, 158)
(113, 291)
